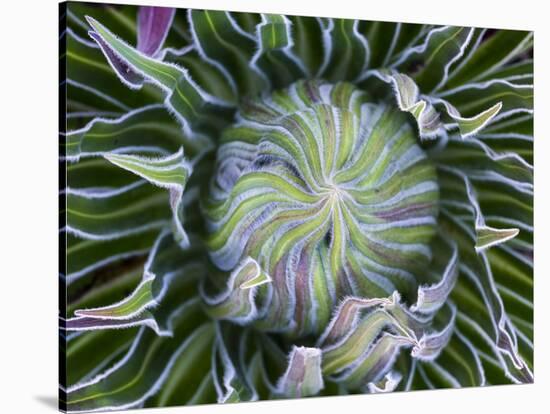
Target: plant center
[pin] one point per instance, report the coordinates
(330, 193)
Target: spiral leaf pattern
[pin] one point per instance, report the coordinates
(330, 192)
(354, 212)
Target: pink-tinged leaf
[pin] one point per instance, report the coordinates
(347, 316)
(237, 302)
(430, 345)
(85, 323)
(387, 384)
(127, 75)
(303, 375)
(432, 297)
(153, 26)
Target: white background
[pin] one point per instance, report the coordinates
(28, 202)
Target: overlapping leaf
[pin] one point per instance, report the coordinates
(221, 41)
(237, 303)
(470, 321)
(166, 269)
(192, 106)
(170, 172)
(343, 63)
(146, 366)
(275, 57)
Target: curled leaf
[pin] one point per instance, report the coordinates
(303, 376)
(237, 302)
(191, 105)
(489, 236)
(153, 26)
(472, 125)
(346, 317)
(408, 99)
(275, 58)
(171, 172)
(388, 384)
(162, 273)
(430, 345)
(432, 297)
(485, 236)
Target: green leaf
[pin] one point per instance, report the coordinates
(365, 336)
(207, 75)
(431, 298)
(109, 215)
(189, 381)
(408, 99)
(150, 129)
(237, 303)
(472, 98)
(476, 293)
(93, 88)
(382, 38)
(458, 366)
(87, 256)
(443, 47)
(307, 33)
(275, 57)
(303, 376)
(346, 317)
(121, 19)
(490, 56)
(105, 293)
(496, 368)
(430, 345)
(487, 236)
(146, 366)
(410, 35)
(517, 126)
(171, 172)
(343, 63)
(192, 106)
(428, 118)
(232, 381)
(520, 72)
(470, 126)
(165, 265)
(375, 362)
(220, 41)
(128, 310)
(88, 353)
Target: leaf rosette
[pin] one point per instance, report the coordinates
(270, 206)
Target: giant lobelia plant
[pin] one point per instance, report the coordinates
(263, 206)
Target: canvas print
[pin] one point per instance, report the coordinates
(258, 206)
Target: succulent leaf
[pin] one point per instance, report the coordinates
(347, 63)
(271, 163)
(150, 299)
(184, 97)
(170, 172)
(221, 41)
(357, 199)
(303, 376)
(237, 303)
(158, 134)
(232, 383)
(153, 26)
(408, 99)
(275, 58)
(135, 368)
